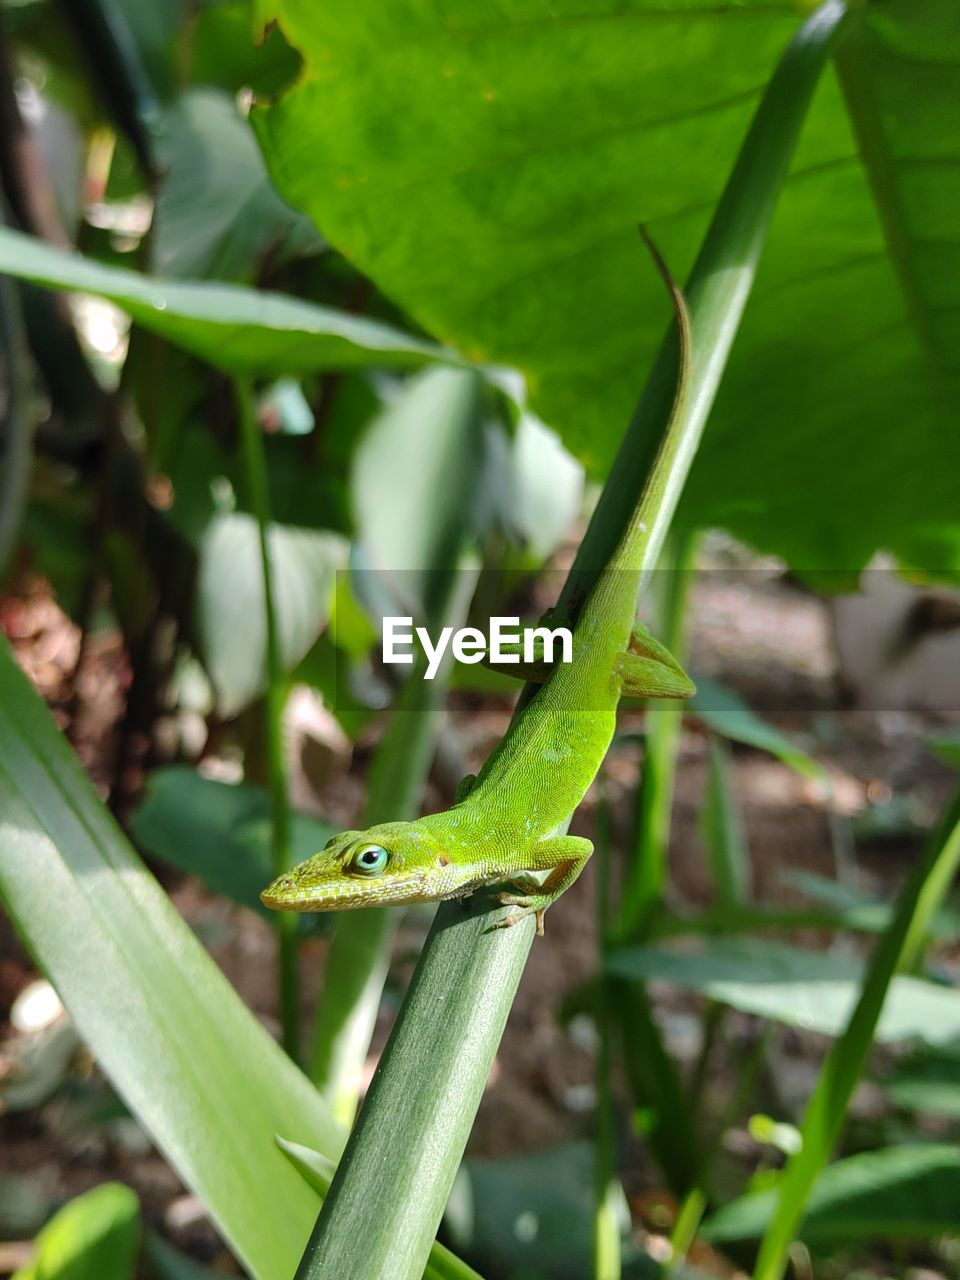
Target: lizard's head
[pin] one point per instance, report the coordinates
(391, 863)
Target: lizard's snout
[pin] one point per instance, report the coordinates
(277, 894)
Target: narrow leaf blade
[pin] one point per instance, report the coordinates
(241, 330)
(167, 1028)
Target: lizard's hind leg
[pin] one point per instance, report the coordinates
(564, 857)
(649, 669)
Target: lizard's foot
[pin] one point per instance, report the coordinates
(521, 909)
(516, 900)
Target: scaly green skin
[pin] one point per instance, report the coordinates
(502, 826)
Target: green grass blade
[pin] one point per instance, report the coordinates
(723, 833)
(897, 949)
(255, 468)
(726, 713)
(18, 423)
(646, 870)
(179, 1046)
(237, 329)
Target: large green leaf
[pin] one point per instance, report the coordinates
(238, 329)
(809, 989)
(901, 1193)
(487, 166)
(179, 1046)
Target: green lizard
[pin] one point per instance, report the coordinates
(504, 822)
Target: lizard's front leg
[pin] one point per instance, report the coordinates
(564, 857)
(464, 787)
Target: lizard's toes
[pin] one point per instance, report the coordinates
(510, 919)
(515, 900)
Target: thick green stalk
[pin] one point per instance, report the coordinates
(255, 466)
(896, 951)
(390, 1188)
(318, 1172)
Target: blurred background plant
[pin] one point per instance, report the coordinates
(305, 327)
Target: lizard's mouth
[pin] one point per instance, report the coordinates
(289, 893)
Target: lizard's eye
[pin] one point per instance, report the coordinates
(370, 860)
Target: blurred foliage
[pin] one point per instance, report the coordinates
(94, 1236)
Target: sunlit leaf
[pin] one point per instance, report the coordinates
(175, 1040)
(238, 329)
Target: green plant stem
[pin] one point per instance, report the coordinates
(391, 1186)
(655, 1082)
(728, 855)
(607, 1189)
(657, 1088)
(685, 1227)
(695, 1202)
(896, 951)
(17, 426)
(255, 466)
(647, 868)
(392, 1183)
(318, 1172)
